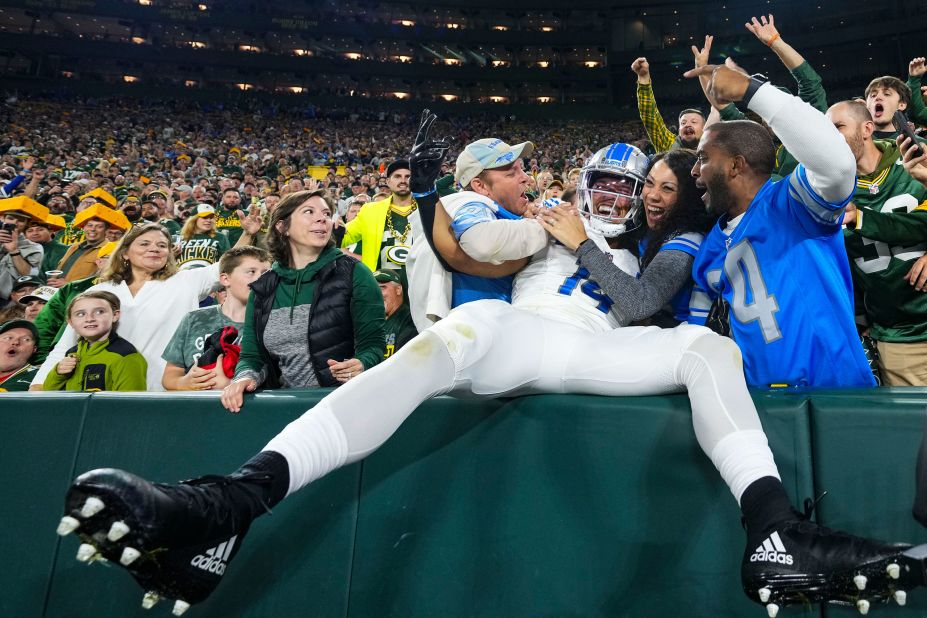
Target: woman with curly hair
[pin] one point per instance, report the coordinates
(673, 222)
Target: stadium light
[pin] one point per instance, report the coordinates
(449, 97)
(401, 95)
(129, 79)
(352, 56)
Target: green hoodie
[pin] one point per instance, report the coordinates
(111, 364)
(297, 287)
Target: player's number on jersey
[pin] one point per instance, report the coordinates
(751, 302)
(580, 279)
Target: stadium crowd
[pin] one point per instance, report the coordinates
(161, 221)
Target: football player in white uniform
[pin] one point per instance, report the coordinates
(557, 336)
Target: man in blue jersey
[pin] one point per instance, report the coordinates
(775, 263)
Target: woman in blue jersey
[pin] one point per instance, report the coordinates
(665, 223)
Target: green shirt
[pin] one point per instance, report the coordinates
(20, 380)
(201, 250)
(171, 226)
(891, 235)
(54, 251)
(111, 364)
(186, 346)
(399, 330)
(228, 223)
(297, 287)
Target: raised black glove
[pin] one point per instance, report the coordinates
(426, 157)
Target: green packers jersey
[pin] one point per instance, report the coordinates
(394, 247)
(399, 330)
(890, 236)
(201, 250)
(228, 223)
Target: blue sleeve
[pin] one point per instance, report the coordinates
(469, 215)
(687, 243)
(813, 213)
(7, 190)
(699, 305)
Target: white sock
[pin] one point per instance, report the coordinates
(742, 458)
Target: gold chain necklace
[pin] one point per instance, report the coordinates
(399, 238)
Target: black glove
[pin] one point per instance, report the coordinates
(426, 157)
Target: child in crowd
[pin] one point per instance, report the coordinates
(101, 360)
(239, 267)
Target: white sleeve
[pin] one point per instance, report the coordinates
(504, 239)
(203, 280)
(812, 139)
(68, 340)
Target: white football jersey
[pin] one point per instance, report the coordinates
(556, 286)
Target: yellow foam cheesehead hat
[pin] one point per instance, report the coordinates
(101, 195)
(24, 206)
(101, 212)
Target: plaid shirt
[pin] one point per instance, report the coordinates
(661, 137)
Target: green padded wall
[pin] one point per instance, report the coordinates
(559, 506)
(293, 562)
(865, 445)
(538, 506)
(40, 437)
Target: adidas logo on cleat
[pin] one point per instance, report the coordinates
(215, 559)
(772, 550)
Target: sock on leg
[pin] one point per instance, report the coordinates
(764, 504)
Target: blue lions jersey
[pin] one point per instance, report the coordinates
(784, 271)
(466, 210)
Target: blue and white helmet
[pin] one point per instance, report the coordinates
(615, 209)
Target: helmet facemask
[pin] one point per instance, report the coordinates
(610, 201)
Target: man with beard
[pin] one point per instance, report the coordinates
(691, 121)
(382, 229)
(151, 213)
(775, 266)
(883, 241)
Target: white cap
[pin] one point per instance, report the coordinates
(205, 210)
(487, 154)
(43, 293)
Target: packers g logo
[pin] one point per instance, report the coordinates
(397, 254)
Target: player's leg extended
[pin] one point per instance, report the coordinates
(788, 559)
(176, 540)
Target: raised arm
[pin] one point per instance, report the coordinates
(803, 130)
(660, 136)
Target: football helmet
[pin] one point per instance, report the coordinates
(610, 186)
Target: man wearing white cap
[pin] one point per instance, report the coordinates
(486, 217)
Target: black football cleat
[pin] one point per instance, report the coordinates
(800, 562)
(175, 540)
